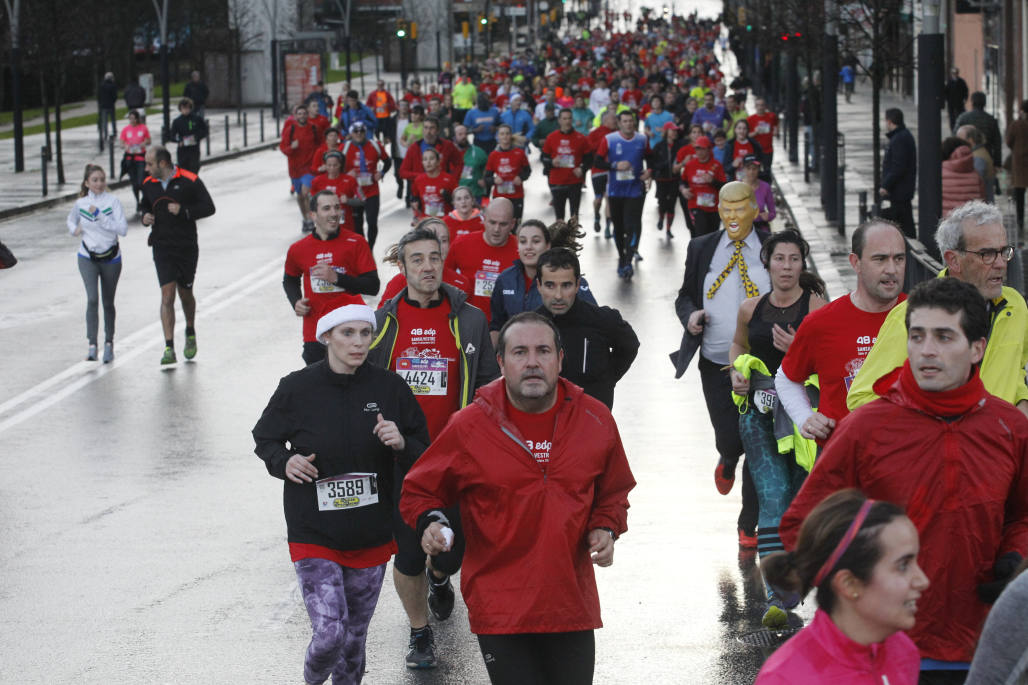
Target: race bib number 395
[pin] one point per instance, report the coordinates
(348, 491)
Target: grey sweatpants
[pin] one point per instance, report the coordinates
(107, 273)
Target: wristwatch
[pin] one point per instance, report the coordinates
(612, 535)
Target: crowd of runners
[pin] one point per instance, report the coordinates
(463, 422)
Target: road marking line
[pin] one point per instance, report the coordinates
(81, 374)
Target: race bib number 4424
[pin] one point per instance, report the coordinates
(348, 491)
(424, 375)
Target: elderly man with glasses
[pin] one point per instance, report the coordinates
(973, 243)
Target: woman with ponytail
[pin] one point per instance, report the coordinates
(515, 290)
(764, 330)
(860, 556)
(97, 220)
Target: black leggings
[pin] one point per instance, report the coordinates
(626, 214)
(667, 192)
(539, 658)
(369, 209)
(572, 195)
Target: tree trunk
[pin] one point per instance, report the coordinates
(58, 101)
(877, 81)
(46, 117)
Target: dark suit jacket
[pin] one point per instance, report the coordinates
(690, 295)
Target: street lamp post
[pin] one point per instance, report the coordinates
(930, 82)
(829, 116)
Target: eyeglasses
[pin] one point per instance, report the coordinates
(988, 256)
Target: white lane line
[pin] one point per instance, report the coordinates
(81, 374)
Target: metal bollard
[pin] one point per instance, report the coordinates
(806, 157)
(226, 133)
(42, 166)
(841, 189)
(110, 147)
(862, 202)
(262, 124)
(244, 129)
(207, 138)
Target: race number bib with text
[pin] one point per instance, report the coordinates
(348, 491)
(484, 282)
(424, 375)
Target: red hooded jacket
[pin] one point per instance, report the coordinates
(963, 483)
(526, 565)
(960, 182)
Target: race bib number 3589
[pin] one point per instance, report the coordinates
(348, 491)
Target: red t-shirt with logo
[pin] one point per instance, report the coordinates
(537, 429)
(373, 154)
(506, 165)
(462, 227)
(685, 154)
(700, 177)
(399, 282)
(347, 253)
(741, 150)
(430, 191)
(425, 355)
(762, 129)
(345, 187)
(567, 151)
(318, 158)
(482, 263)
(594, 138)
(632, 97)
(833, 342)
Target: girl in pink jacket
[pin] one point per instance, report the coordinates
(861, 556)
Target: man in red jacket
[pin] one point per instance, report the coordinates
(300, 138)
(956, 457)
(542, 480)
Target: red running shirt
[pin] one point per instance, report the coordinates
(567, 151)
(700, 177)
(762, 129)
(462, 227)
(430, 192)
(373, 154)
(506, 165)
(425, 355)
(482, 263)
(347, 253)
(833, 342)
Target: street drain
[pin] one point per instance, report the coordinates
(766, 637)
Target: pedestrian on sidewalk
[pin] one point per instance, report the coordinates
(135, 98)
(1017, 141)
(97, 218)
(197, 91)
(984, 122)
(135, 138)
(106, 98)
(847, 76)
(899, 172)
(960, 182)
(955, 97)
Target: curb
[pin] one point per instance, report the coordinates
(59, 199)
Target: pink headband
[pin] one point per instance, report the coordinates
(844, 544)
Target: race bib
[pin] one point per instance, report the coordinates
(467, 173)
(135, 149)
(707, 126)
(764, 400)
(348, 491)
(505, 188)
(425, 376)
(434, 208)
(320, 286)
(189, 140)
(364, 179)
(484, 282)
(763, 127)
(706, 200)
(564, 161)
(625, 175)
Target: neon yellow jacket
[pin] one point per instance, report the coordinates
(464, 94)
(1002, 369)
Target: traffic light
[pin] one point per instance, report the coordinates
(482, 20)
(401, 29)
(414, 30)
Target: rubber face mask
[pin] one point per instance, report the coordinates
(738, 217)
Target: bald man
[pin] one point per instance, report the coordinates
(481, 256)
(721, 270)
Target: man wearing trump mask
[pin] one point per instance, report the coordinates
(721, 270)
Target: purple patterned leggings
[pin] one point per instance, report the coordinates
(340, 602)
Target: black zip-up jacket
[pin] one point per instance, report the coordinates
(333, 416)
(176, 231)
(191, 125)
(599, 347)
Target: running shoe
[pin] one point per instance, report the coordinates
(621, 271)
(747, 541)
(189, 351)
(421, 649)
(629, 271)
(108, 352)
(169, 356)
(637, 257)
(440, 596)
(596, 224)
(91, 353)
(775, 617)
(724, 478)
(660, 223)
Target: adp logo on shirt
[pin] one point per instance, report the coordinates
(540, 445)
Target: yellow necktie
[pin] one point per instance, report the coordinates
(750, 286)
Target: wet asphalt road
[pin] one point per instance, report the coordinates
(141, 540)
